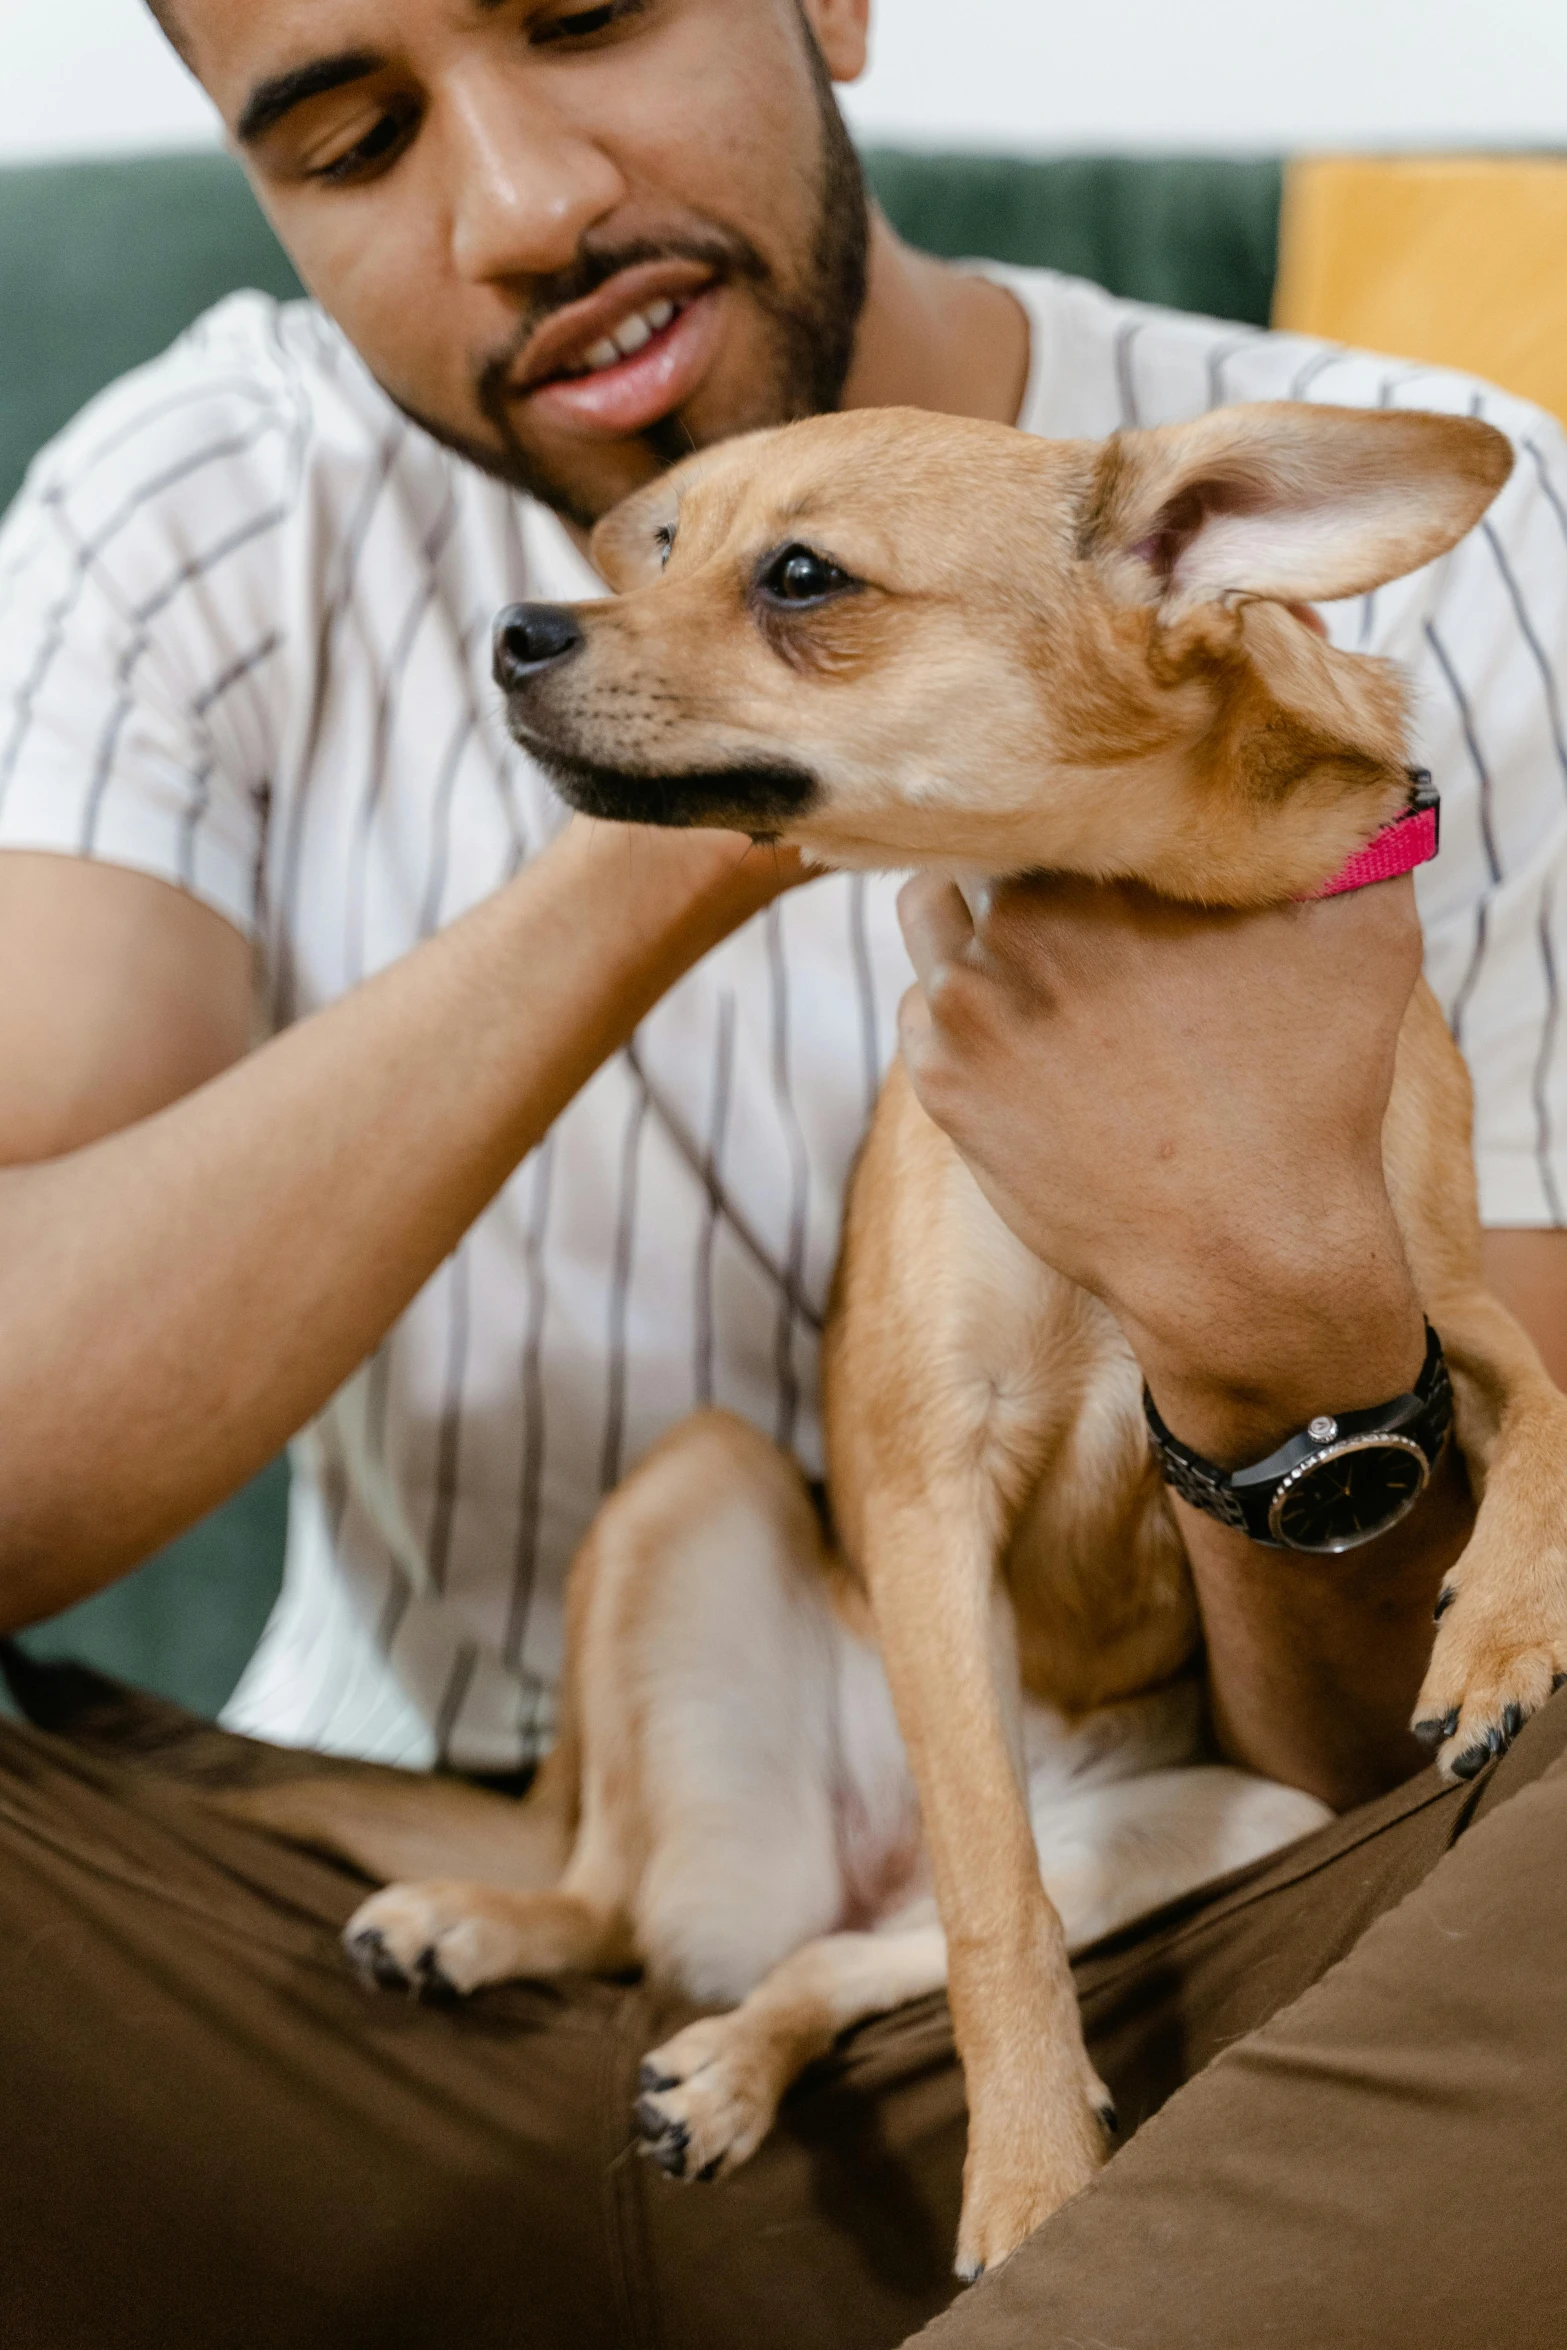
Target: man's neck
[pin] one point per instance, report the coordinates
(936, 337)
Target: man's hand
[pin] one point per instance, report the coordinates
(1182, 1110)
(735, 877)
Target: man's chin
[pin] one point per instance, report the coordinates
(581, 494)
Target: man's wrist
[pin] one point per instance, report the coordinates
(673, 879)
(1256, 1362)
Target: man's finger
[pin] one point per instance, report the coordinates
(937, 926)
(914, 1025)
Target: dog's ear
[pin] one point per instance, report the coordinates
(1289, 502)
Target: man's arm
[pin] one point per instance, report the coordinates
(118, 994)
(1183, 1112)
(178, 1295)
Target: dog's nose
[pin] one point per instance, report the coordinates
(531, 637)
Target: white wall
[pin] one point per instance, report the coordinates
(89, 76)
(1271, 75)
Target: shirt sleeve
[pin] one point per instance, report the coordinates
(1486, 642)
(139, 618)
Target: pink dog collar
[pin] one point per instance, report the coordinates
(1410, 840)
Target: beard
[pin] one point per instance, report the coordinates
(810, 325)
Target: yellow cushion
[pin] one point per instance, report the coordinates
(1458, 260)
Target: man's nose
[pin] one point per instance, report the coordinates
(528, 185)
(531, 637)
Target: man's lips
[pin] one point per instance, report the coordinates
(637, 390)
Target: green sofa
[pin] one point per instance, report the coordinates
(102, 264)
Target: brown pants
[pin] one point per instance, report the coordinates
(210, 2135)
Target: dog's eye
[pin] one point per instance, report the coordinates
(800, 576)
(664, 540)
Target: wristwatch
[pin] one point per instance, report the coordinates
(1342, 1480)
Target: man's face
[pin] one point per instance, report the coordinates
(574, 241)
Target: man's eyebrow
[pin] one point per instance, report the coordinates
(271, 100)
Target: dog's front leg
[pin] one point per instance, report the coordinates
(1501, 1639)
(1039, 2116)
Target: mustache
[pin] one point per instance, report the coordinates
(725, 251)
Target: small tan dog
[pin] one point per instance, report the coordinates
(898, 639)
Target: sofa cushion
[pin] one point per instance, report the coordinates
(101, 266)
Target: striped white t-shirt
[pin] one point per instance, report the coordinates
(245, 617)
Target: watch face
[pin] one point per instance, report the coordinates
(1349, 1494)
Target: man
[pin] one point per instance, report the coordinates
(245, 713)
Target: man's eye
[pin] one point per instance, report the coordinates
(800, 576)
(374, 151)
(580, 24)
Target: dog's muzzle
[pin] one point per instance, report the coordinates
(530, 638)
(533, 643)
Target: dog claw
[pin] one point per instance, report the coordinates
(1474, 1758)
(1444, 1600)
(1435, 1732)
(1109, 2119)
(375, 1962)
(425, 1979)
(663, 2141)
(652, 2079)
(430, 1983)
(1512, 1722)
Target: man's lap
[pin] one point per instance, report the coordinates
(214, 2134)
(1381, 2163)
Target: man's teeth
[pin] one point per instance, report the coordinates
(629, 337)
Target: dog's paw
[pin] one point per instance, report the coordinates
(708, 2099)
(1006, 2198)
(438, 1940)
(1491, 1667)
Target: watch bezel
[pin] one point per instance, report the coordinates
(1374, 1440)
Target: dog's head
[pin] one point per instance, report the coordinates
(897, 638)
